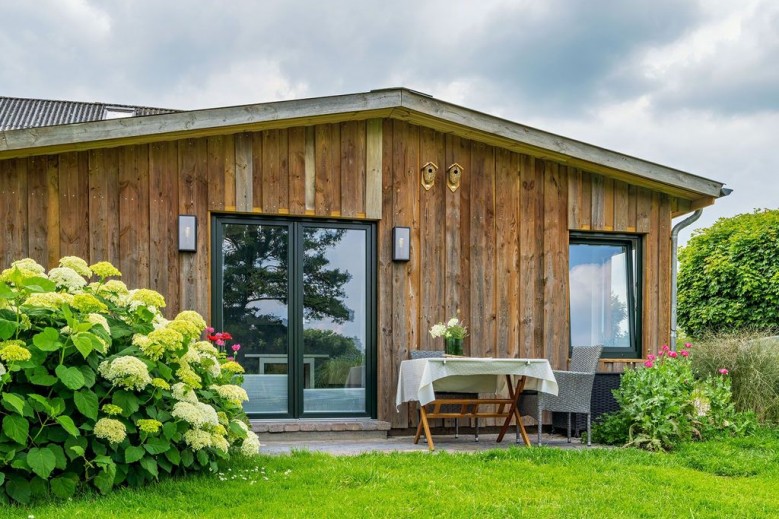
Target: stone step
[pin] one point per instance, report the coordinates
(320, 429)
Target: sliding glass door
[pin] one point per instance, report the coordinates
(298, 296)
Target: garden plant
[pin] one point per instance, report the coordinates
(100, 390)
(663, 404)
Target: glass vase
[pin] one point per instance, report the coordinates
(453, 346)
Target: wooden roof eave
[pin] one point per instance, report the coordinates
(393, 103)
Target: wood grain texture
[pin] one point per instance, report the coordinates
(37, 209)
(163, 222)
(193, 199)
(244, 164)
(387, 361)
(555, 246)
(507, 182)
(134, 215)
(216, 172)
(74, 204)
(353, 169)
(297, 170)
(103, 206)
(373, 169)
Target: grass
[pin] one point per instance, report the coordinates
(729, 478)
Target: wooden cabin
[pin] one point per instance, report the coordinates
(534, 240)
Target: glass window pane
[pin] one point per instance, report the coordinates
(255, 310)
(598, 276)
(334, 319)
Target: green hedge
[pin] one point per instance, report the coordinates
(100, 390)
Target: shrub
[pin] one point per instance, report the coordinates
(753, 362)
(99, 389)
(663, 404)
(729, 276)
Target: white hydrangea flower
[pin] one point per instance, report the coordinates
(197, 414)
(2, 369)
(453, 322)
(184, 393)
(197, 439)
(219, 442)
(438, 330)
(110, 429)
(234, 394)
(127, 372)
(76, 264)
(251, 445)
(67, 278)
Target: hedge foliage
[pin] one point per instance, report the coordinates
(99, 389)
(729, 276)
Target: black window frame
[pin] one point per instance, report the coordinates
(296, 226)
(635, 274)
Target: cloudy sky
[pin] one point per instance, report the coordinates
(691, 84)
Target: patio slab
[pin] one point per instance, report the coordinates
(443, 443)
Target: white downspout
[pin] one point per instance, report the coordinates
(674, 245)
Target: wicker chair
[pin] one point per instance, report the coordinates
(574, 388)
(433, 354)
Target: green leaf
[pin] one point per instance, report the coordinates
(133, 454)
(202, 458)
(2, 479)
(173, 455)
(67, 423)
(47, 340)
(105, 480)
(7, 329)
(89, 375)
(41, 377)
(13, 402)
(43, 402)
(164, 370)
(6, 293)
(59, 455)
(64, 486)
(75, 447)
(83, 343)
(169, 430)
(71, 377)
(127, 401)
(187, 458)
(86, 403)
(156, 445)
(57, 406)
(18, 489)
(150, 465)
(17, 428)
(237, 430)
(41, 461)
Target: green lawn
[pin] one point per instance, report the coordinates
(734, 478)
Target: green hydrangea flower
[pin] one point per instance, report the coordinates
(14, 351)
(77, 264)
(104, 269)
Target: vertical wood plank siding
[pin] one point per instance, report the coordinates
(494, 252)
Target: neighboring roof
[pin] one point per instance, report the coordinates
(396, 103)
(16, 113)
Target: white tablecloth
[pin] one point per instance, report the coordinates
(419, 379)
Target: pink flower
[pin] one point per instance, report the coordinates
(209, 330)
(236, 347)
(648, 364)
(651, 357)
(231, 359)
(723, 371)
(665, 347)
(672, 354)
(685, 353)
(660, 353)
(687, 345)
(220, 342)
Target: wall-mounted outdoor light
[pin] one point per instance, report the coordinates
(187, 233)
(401, 243)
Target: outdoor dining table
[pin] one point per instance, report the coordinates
(420, 379)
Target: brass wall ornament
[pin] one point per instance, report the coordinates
(453, 176)
(428, 175)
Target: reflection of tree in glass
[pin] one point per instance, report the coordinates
(617, 335)
(256, 284)
(322, 288)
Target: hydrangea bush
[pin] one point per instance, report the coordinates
(662, 404)
(99, 389)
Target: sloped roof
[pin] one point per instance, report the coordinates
(394, 103)
(16, 112)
